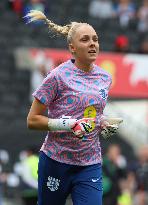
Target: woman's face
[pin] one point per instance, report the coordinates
(84, 45)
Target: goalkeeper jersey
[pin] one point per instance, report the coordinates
(70, 91)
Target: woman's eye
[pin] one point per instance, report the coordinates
(96, 39)
(84, 39)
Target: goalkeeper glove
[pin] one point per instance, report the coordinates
(77, 127)
(109, 126)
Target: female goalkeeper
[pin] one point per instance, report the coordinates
(75, 94)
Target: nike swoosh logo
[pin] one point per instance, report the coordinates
(95, 180)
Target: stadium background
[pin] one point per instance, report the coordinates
(19, 43)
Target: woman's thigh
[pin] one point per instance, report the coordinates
(53, 181)
(87, 186)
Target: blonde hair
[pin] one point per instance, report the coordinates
(67, 30)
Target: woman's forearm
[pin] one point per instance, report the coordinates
(38, 122)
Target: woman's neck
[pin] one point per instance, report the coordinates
(86, 67)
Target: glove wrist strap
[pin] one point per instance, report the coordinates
(64, 123)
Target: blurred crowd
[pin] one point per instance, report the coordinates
(22, 7)
(19, 181)
(124, 181)
(128, 13)
(125, 10)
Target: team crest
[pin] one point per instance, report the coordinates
(53, 183)
(103, 94)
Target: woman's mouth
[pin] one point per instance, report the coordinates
(92, 51)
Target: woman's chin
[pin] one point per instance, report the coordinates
(92, 59)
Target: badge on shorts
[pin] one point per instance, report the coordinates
(53, 183)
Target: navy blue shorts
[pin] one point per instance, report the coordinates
(58, 180)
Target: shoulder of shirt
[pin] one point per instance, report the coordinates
(59, 69)
(102, 71)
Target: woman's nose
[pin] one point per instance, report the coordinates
(92, 43)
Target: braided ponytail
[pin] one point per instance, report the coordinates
(67, 30)
(35, 15)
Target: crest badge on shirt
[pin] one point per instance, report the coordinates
(103, 94)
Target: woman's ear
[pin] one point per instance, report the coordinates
(71, 48)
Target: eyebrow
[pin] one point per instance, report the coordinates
(85, 35)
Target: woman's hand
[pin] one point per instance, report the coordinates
(109, 130)
(109, 126)
(82, 126)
